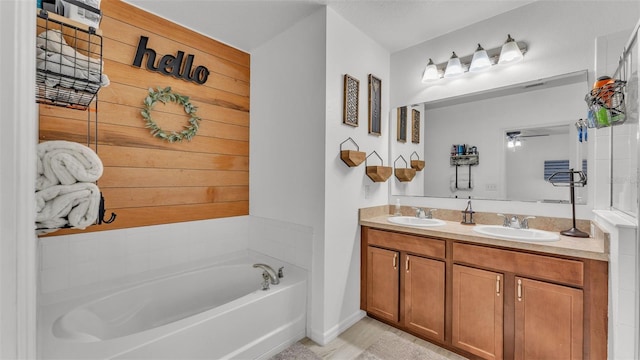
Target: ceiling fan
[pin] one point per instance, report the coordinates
(518, 134)
(514, 138)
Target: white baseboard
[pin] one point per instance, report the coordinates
(324, 338)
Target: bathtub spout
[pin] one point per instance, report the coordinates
(272, 274)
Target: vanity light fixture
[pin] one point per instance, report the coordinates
(509, 53)
(454, 67)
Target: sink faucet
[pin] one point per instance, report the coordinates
(273, 277)
(515, 222)
(422, 213)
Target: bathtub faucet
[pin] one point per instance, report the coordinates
(272, 274)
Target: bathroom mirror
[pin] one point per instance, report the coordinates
(543, 115)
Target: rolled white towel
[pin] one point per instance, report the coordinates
(66, 162)
(53, 40)
(76, 205)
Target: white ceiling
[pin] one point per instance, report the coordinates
(394, 24)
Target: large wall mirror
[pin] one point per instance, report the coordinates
(519, 135)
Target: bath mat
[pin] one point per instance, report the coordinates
(296, 351)
(391, 346)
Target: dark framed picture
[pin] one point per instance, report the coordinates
(402, 124)
(350, 100)
(415, 126)
(375, 101)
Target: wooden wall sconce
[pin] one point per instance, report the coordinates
(378, 173)
(416, 163)
(406, 173)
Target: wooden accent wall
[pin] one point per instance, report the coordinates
(146, 180)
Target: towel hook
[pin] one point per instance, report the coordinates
(101, 212)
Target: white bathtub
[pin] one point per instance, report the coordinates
(216, 312)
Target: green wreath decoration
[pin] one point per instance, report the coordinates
(166, 95)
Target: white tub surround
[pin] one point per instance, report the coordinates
(78, 260)
(623, 283)
(218, 311)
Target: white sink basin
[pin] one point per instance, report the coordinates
(414, 221)
(516, 234)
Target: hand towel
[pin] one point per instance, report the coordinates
(76, 205)
(66, 162)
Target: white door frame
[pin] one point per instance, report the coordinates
(18, 139)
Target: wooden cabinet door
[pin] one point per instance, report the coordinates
(548, 321)
(477, 313)
(383, 281)
(424, 296)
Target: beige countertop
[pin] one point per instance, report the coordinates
(589, 248)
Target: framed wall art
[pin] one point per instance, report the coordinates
(402, 124)
(375, 101)
(350, 100)
(415, 126)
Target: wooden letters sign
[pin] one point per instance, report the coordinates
(169, 64)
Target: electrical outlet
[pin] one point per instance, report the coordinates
(491, 187)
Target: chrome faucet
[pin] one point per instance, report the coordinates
(422, 213)
(273, 277)
(515, 222)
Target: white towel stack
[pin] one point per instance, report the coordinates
(66, 194)
(462, 184)
(68, 70)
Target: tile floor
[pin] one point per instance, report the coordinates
(363, 334)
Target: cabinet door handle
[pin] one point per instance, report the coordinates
(519, 290)
(498, 285)
(395, 261)
(406, 264)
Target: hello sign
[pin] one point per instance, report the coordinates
(170, 64)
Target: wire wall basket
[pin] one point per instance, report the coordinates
(606, 105)
(69, 65)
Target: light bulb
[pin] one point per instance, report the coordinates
(430, 72)
(454, 67)
(480, 60)
(510, 52)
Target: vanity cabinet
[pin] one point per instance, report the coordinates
(477, 311)
(485, 301)
(424, 295)
(544, 331)
(405, 282)
(383, 283)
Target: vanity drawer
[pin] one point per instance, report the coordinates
(565, 271)
(409, 243)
